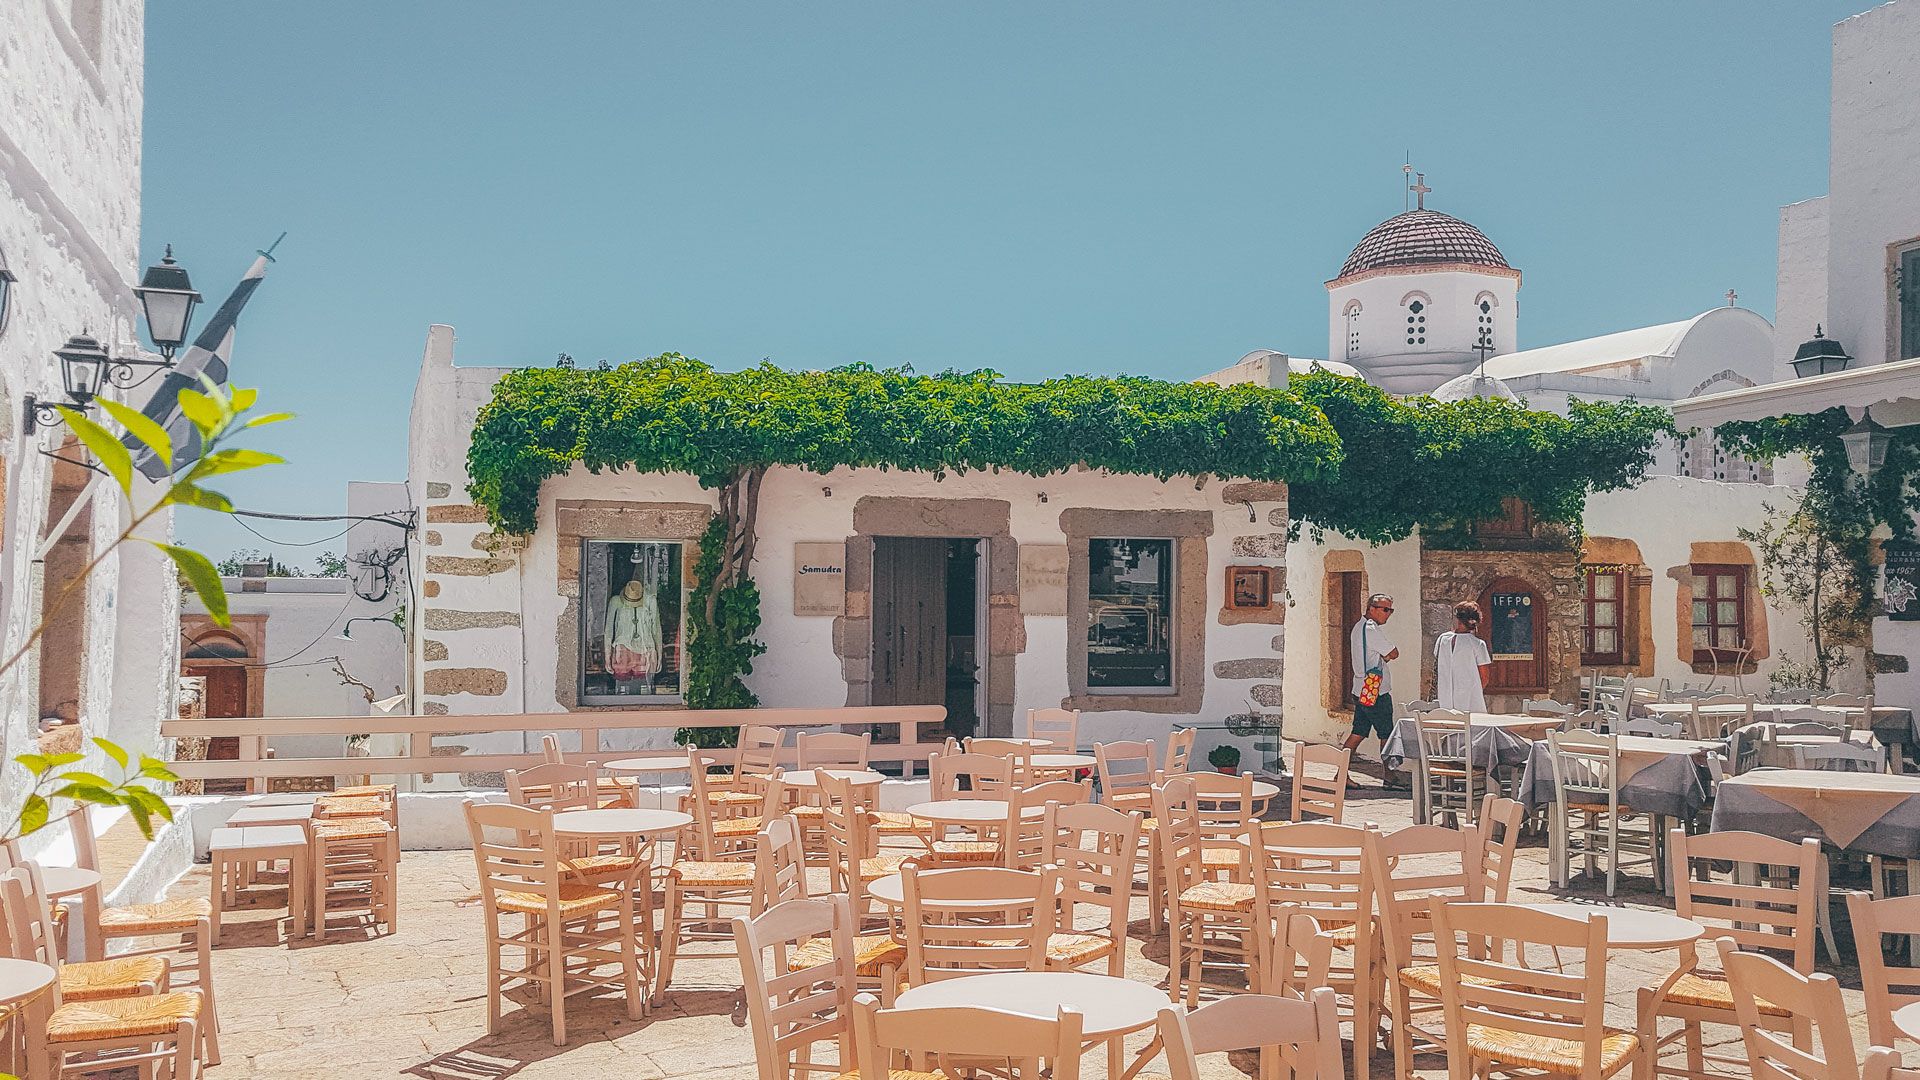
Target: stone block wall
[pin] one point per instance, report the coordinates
(1448, 577)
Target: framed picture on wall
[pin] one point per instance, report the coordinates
(1249, 588)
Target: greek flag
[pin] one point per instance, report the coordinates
(207, 356)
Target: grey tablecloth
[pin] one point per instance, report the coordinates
(1491, 746)
(1670, 785)
(1742, 804)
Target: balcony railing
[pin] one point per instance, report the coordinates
(895, 728)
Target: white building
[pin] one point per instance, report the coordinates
(1849, 266)
(69, 239)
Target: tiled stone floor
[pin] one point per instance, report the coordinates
(412, 1003)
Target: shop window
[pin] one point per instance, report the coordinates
(1130, 607)
(632, 632)
(1602, 616)
(1906, 297)
(1719, 612)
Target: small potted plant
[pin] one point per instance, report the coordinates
(1225, 757)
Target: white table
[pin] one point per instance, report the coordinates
(1632, 929)
(663, 764)
(1906, 1019)
(810, 778)
(59, 881)
(961, 811)
(1063, 761)
(1110, 1007)
(892, 891)
(617, 823)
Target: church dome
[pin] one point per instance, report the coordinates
(1474, 385)
(1422, 238)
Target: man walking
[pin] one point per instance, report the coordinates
(1372, 650)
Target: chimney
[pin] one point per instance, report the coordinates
(253, 577)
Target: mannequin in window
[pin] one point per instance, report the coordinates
(632, 637)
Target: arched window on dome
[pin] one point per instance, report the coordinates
(1417, 305)
(1352, 314)
(1483, 315)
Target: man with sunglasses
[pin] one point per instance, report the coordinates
(1372, 650)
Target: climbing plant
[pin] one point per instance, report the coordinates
(1821, 556)
(720, 639)
(1415, 462)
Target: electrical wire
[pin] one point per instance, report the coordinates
(293, 543)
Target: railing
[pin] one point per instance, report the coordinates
(256, 767)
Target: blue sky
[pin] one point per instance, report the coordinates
(1036, 188)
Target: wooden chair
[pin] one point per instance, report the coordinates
(958, 1041)
(1009, 914)
(1760, 891)
(1320, 781)
(963, 777)
(1227, 806)
(559, 787)
(1410, 872)
(1706, 726)
(797, 965)
(1296, 1038)
(1840, 757)
(1888, 986)
(1447, 775)
(1059, 727)
(1179, 757)
(779, 865)
(1093, 848)
(1206, 918)
(1018, 751)
(1291, 879)
(179, 930)
(1545, 707)
(80, 1027)
(832, 750)
(703, 892)
(725, 819)
(1759, 985)
(1585, 720)
(1023, 838)
(1296, 956)
(569, 931)
(1649, 727)
(1526, 1012)
(1499, 829)
(1587, 818)
(853, 862)
(1126, 772)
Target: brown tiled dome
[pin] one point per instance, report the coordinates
(1422, 238)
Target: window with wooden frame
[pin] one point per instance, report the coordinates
(1719, 611)
(1603, 615)
(1514, 523)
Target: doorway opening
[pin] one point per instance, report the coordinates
(929, 601)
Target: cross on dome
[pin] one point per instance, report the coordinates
(1419, 188)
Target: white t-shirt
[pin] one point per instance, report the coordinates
(1377, 646)
(1457, 658)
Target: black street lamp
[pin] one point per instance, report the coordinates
(167, 294)
(86, 367)
(6, 289)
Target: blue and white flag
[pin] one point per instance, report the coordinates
(208, 356)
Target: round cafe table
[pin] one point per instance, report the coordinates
(1907, 1020)
(961, 811)
(1633, 929)
(59, 881)
(617, 823)
(1110, 1007)
(664, 763)
(1063, 761)
(810, 778)
(892, 891)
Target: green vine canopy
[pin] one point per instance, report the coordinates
(1358, 460)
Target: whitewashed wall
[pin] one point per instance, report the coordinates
(1393, 569)
(71, 79)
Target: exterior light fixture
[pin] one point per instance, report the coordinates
(1820, 356)
(6, 290)
(1866, 444)
(166, 293)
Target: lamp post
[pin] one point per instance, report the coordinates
(86, 367)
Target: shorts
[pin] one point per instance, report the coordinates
(1375, 719)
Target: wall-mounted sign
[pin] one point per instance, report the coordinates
(1249, 588)
(1510, 626)
(1043, 579)
(819, 579)
(1902, 592)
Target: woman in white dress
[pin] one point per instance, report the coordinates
(1462, 662)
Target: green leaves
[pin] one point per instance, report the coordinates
(149, 433)
(112, 456)
(202, 577)
(129, 792)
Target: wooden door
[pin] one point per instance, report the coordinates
(226, 691)
(1514, 624)
(909, 621)
(1353, 604)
